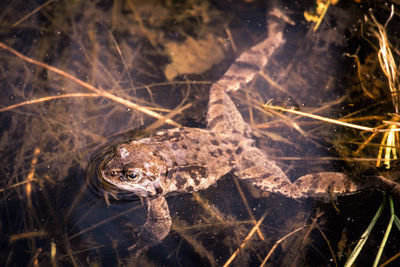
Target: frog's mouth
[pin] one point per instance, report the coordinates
(146, 188)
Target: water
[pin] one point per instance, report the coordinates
(54, 208)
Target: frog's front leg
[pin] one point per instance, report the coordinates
(157, 225)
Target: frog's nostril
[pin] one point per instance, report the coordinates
(159, 190)
(113, 173)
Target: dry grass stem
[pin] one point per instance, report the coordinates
(285, 119)
(386, 59)
(277, 243)
(326, 239)
(274, 84)
(16, 237)
(31, 174)
(324, 159)
(245, 241)
(34, 260)
(47, 98)
(388, 144)
(230, 37)
(193, 241)
(31, 13)
(170, 115)
(70, 252)
(391, 260)
(90, 87)
(364, 118)
(207, 208)
(359, 73)
(365, 143)
(53, 254)
(246, 204)
(388, 65)
(28, 187)
(317, 117)
(18, 184)
(321, 17)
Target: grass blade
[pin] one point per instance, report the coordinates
(364, 237)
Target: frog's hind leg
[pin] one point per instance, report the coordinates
(223, 115)
(255, 167)
(249, 63)
(319, 185)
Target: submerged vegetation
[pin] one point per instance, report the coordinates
(77, 76)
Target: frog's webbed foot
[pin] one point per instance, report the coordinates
(156, 227)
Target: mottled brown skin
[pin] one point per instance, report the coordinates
(180, 160)
(184, 160)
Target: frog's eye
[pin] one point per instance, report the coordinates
(132, 175)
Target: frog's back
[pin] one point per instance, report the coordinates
(197, 158)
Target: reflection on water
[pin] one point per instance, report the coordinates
(56, 210)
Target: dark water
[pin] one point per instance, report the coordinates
(54, 211)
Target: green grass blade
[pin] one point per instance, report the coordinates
(397, 222)
(364, 237)
(386, 235)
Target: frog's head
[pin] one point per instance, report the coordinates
(136, 167)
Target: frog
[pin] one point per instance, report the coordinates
(185, 160)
